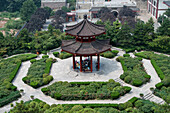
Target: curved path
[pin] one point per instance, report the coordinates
(28, 91)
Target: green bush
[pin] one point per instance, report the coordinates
(123, 65)
(122, 76)
(139, 103)
(137, 82)
(45, 56)
(115, 52)
(126, 55)
(56, 54)
(14, 95)
(14, 88)
(13, 73)
(49, 60)
(119, 58)
(147, 76)
(57, 96)
(108, 54)
(127, 79)
(158, 70)
(44, 90)
(34, 84)
(139, 58)
(48, 67)
(25, 79)
(127, 89)
(33, 60)
(64, 55)
(159, 85)
(133, 100)
(115, 95)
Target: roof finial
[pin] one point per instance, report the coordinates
(85, 16)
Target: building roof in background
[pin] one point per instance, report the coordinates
(167, 3)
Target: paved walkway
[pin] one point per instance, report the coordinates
(56, 70)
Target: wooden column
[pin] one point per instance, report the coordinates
(98, 61)
(80, 63)
(91, 63)
(73, 61)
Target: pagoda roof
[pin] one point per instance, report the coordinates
(90, 48)
(85, 28)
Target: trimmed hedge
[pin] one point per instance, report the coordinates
(86, 83)
(13, 96)
(33, 60)
(13, 73)
(158, 70)
(137, 82)
(123, 65)
(126, 55)
(48, 67)
(147, 76)
(133, 100)
(56, 54)
(141, 54)
(127, 89)
(115, 95)
(45, 56)
(159, 85)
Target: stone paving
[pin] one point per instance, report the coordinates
(61, 71)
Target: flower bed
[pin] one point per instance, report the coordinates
(38, 73)
(8, 70)
(134, 72)
(81, 91)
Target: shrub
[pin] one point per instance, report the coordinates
(108, 54)
(54, 60)
(123, 65)
(127, 79)
(133, 100)
(127, 89)
(11, 97)
(126, 55)
(139, 58)
(115, 52)
(34, 84)
(56, 54)
(159, 85)
(44, 90)
(57, 96)
(13, 73)
(147, 76)
(14, 88)
(25, 79)
(139, 103)
(48, 67)
(45, 56)
(115, 95)
(122, 76)
(45, 75)
(137, 82)
(49, 60)
(166, 81)
(158, 70)
(119, 58)
(33, 60)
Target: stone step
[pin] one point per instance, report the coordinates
(119, 80)
(148, 96)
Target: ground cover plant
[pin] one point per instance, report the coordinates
(110, 54)
(62, 55)
(38, 73)
(134, 72)
(162, 67)
(137, 106)
(86, 90)
(8, 69)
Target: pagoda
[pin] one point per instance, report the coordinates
(85, 44)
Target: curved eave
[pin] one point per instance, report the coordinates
(86, 35)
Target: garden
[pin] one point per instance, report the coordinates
(85, 90)
(38, 73)
(110, 54)
(62, 55)
(162, 67)
(134, 72)
(134, 105)
(8, 69)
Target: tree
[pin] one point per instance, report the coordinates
(28, 8)
(164, 29)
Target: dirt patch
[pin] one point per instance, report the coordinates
(2, 23)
